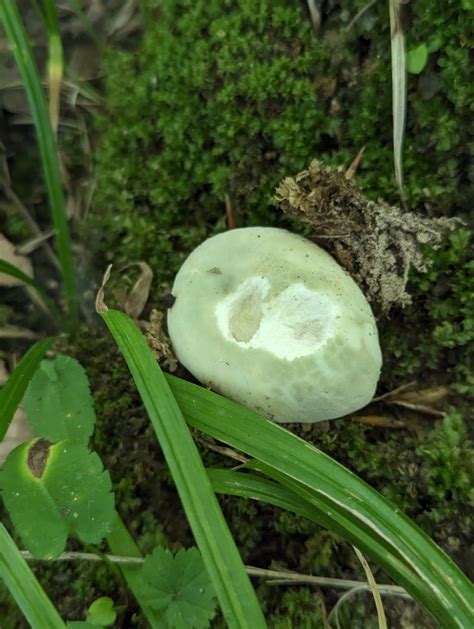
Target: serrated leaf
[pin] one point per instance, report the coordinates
(102, 612)
(182, 589)
(65, 487)
(58, 401)
(416, 59)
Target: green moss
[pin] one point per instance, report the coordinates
(436, 333)
(296, 607)
(228, 97)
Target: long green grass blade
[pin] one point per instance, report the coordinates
(21, 49)
(24, 587)
(13, 271)
(233, 483)
(264, 490)
(14, 389)
(122, 543)
(356, 511)
(219, 552)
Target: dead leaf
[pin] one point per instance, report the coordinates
(426, 396)
(8, 253)
(138, 296)
(380, 421)
(100, 305)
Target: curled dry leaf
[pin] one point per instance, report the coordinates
(100, 305)
(138, 296)
(8, 253)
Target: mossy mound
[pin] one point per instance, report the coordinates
(227, 98)
(224, 99)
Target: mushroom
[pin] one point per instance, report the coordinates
(270, 320)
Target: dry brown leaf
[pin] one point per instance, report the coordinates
(426, 396)
(138, 296)
(100, 305)
(379, 421)
(382, 620)
(8, 253)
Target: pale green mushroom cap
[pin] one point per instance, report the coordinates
(270, 320)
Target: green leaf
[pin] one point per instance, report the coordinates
(13, 391)
(24, 587)
(80, 624)
(20, 46)
(182, 589)
(55, 490)
(13, 271)
(346, 503)
(416, 59)
(102, 612)
(233, 588)
(58, 401)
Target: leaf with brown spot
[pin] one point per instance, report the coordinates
(38, 457)
(65, 487)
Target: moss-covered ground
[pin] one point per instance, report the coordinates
(217, 103)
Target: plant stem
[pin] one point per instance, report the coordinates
(281, 576)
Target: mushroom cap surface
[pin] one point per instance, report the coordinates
(270, 320)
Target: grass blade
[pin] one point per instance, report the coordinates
(356, 511)
(13, 391)
(221, 557)
(232, 483)
(21, 49)
(13, 271)
(24, 587)
(399, 88)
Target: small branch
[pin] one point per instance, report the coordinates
(351, 171)
(403, 387)
(288, 577)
